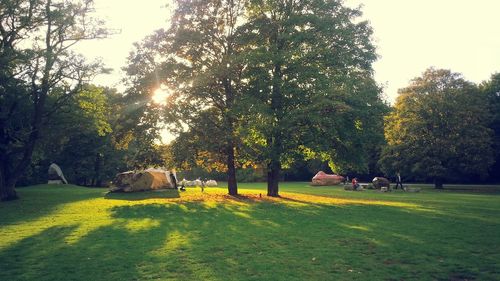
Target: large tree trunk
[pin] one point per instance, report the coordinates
(273, 177)
(96, 180)
(9, 177)
(7, 190)
(232, 186)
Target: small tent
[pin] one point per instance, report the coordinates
(56, 175)
(322, 178)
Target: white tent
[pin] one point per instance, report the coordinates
(56, 175)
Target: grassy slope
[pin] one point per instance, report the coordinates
(321, 233)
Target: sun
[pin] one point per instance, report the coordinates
(160, 96)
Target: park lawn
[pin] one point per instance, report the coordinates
(311, 233)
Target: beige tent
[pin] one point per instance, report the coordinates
(150, 179)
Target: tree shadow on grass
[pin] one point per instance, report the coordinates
(254, 241)
(41, 200)
(143, 195)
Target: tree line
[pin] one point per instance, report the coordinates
(265, 84)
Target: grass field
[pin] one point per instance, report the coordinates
(311, 233)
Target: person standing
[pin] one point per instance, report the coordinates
(398, 181)
(173, 179)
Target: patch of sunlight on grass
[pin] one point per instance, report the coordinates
(379, 242)
(212, 197)
(242, 214)
(88, 221)
(175, 241)
(314, 199)
(137, 225)
(407, 238)
(184, 208)
(357, 227)
(68, 214)
(64, 215)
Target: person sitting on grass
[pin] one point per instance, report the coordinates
(355, 184)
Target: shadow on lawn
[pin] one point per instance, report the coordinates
(41, 200)
(193, 241)
(143, 195)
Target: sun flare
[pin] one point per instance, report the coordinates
(160, 96)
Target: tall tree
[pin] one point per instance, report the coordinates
(35, 50)
(439, 129)
(309, 71)
(491, 89)
(199, 65)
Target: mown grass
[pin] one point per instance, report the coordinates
(311, 233)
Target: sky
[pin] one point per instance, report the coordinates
(410, 35)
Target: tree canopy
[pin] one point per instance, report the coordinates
(491, 89)
(36, 62)
(281, 87)
(310, 84)
(439, 129)
(195, 60)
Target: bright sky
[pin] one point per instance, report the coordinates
(411, 35)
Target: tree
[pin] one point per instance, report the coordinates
(198, 63)
(439, 129)
(78, 137)
(35, 54)
(491, 89)
(310, 77)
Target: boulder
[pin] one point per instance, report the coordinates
(56, 175)
(321, 178)
(379, 182)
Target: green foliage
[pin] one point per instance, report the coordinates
(439, 129)
(74, 233)
(491, 89)
(250, 175)
(94, 106)
(196, 60)
(309, 74)
(81, 138)
(77, 137)
(36, 64)
(266, 78)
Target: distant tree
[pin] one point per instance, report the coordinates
(36, 60)
(78, 136)
(90, 140)
(312, 94)
(491, 89)
(439, 129)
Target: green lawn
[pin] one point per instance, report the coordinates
(312, 233)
